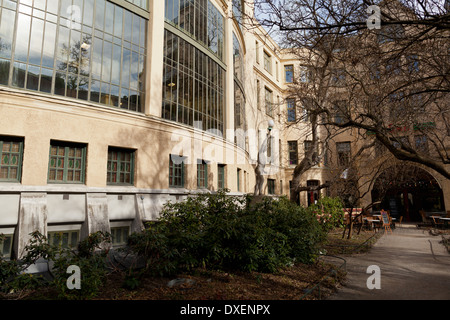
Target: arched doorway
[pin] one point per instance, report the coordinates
(406, 189)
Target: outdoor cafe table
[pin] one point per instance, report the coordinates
(446, 221)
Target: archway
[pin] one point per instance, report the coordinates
(406, 189)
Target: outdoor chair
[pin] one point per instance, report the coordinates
(425, 222)
(437, 223)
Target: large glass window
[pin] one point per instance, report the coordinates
(193, 86)
(88, 49)
(200, 19)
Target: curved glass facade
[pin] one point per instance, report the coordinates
(86, 49)
(200, 19)
(194, 83)
(193, 86)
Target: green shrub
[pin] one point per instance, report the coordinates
(219, 231)
(329, 212)
(88, 258)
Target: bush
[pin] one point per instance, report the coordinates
(219, 231)
(88, 257)
(329, 212)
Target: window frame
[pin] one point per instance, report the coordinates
(268, 101)
(202, 180)
(60, 233)
(221, 176)
(67, 146)
(267, 61)
(291, 110)
(6, 243)
(124, 230)
(11, 140)
(172, 169)
(238, 171)
(346, 153)
(291, 152)
(271, 186)
(121, 152)
(291, 72)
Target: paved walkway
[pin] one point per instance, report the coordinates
(413, 266)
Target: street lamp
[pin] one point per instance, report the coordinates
(270, 124)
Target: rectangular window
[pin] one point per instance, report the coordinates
(267, 62)
(307, 147)
(11, 154)
(120, 166)
(67, 162)
(220, 176)
(344, 152)
(64, 239)
(119, 235)
(421, 143)
(269, 149)
(291, 112)
(6, 246)
(276, 70)
(258, 94)
(305, 74)
(270, 186)
(338, 77)
(202, 174)
(176, 171)
(238, 180)
(293, 152)
(413, 63)
(339, 110)
(289, 74)
(269, 102)
(257, 51)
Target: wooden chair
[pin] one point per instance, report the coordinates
(437, 223)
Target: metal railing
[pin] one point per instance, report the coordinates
(333, 272)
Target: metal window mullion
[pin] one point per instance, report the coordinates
(13, 46)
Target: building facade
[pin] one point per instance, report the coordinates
(109, 109)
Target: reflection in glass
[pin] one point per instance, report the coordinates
(18, 76)
(33, 77)
(21, 50)
(61, 58)
(46, 80)
(48, 50)
(6, 32)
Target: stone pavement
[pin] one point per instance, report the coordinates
(413, 266)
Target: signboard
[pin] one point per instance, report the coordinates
(385, 220)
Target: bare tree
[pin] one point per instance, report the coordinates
(393, 83)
